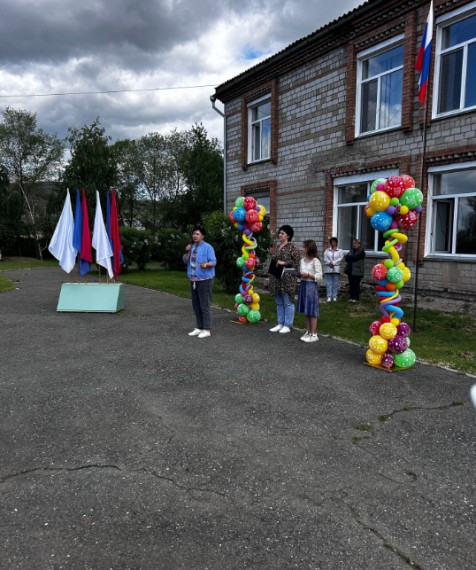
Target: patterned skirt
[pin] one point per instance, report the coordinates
(308, 299)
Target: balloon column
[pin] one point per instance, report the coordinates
(247, 215)
(393, 207)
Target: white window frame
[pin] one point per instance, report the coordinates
(251, 125)
(361, 57)
(431, 212)
(357, 179)
(441, 23)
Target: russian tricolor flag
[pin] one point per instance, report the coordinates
(422, 64)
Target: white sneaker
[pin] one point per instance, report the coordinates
(328, 299)
(204, 334)
(195, 332)
(277, 328)
(334, 299)
(284, 330)
(304, 336)
(311, 338)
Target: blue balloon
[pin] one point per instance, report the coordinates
(380, 221)
(239, 214)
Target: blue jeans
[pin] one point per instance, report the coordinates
(332, 282)
(285, 309)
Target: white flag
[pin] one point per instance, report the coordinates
(61, 244)
(100, 240)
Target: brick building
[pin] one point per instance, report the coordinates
(310, 128)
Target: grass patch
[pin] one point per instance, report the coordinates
(9, 263)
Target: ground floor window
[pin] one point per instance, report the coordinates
(350, 198)
(452, 210)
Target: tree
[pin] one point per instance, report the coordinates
(30, 156)
(200, 163)
(92, 165)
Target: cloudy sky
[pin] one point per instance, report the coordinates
(141, 66)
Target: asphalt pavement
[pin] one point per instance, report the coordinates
(127, 444)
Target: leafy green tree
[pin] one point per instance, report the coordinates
(92, 165)
(200, 163)
(30, 157)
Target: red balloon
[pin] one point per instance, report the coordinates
(379, 272)
(408, 180)
(256, 227)
(395, 186)
(252, 216)
(374, 328)
(242, 319)
(249, 203)
(408, 220)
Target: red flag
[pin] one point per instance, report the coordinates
(86, 252)
(114, 235)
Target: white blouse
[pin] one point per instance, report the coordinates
(313, 267)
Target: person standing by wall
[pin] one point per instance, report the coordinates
(201, 261)
(283, 284)
(308, 298)
(355, 269)
(333, 257)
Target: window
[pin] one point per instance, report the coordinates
(456, 63)
(259, 122)
(453, 211)
(380, 87)
(350, 199)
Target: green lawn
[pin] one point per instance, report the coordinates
(446, 339)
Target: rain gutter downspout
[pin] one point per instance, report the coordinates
(213, 100)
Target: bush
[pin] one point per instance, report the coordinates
(136, 247)
(169, 247)
(227, 242)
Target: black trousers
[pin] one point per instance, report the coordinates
(354, 287)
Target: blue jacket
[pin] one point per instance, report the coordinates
(205, 253)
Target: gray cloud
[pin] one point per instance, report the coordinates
(68, 46)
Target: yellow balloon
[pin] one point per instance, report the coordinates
(379, 201)
(378, 344)
(256, 297)
(407, 274)
(395, 321)
(373, 358)
(387, 331)
(403, 210)
(254, 306)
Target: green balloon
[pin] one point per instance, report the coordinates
(394, 274)
(238, 298)
(253, 316)
(412, 198)
(240, 262)
(405, 359)
(239, 201)
(243, 309)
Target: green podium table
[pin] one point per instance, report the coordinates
(91, 297)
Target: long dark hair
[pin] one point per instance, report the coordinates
(311, 248)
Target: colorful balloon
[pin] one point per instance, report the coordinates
(405, 359)
(378, 344)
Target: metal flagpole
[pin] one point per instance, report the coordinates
(423, 160)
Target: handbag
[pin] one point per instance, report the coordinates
(275, 270)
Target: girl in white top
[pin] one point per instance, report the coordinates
(308, 299)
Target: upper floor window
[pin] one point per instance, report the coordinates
(350, 198)
(452, 213)
(456, 62)
(259, 124)
(379, 87)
